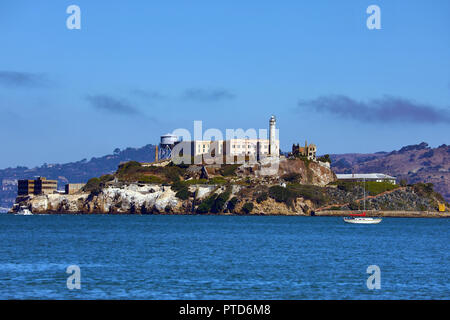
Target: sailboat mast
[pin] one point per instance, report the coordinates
(364, 188)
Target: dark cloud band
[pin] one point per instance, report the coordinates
(148, 94)
(22, 79)
(111, 105)
(208, 95)
(385, 109)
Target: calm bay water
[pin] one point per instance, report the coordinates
(221, 257)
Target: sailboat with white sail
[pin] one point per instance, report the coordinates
(361, 218)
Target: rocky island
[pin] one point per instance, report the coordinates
(297, 187)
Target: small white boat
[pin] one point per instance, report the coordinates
(362, 220)
(24, 211)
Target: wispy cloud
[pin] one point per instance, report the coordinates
(10, 115)
(112, 105)
(22, 79)
(148, 94)
(385, 109)
(208, 95)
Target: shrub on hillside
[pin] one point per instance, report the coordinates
(262, 197)
(346, 186)
(106, 178)
(292, 177)
(220, 201)
(182, 190)
(95, 185)
(281, 194)
(149, 179)
(325, 158)
(354, 206)
(288, 195)
(183, 194)
(247, 207)
(207, 204)
(229, 169)
(181, 165)
(178, 185)
(173, 173)
(232, 204)
(128, 167)
(427, 190)
(304, 159)
(373, 188)
(424, 189)
(217, 180)
(315, 194)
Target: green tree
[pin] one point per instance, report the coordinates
(232, 204)
(262, 197)
(247, 207)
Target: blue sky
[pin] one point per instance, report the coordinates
(140, 69)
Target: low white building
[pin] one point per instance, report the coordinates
(254, 148)
(377, 177)
(234, 147)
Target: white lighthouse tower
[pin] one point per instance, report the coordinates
(272, 137)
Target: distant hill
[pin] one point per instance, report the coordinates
(80, 171)
(414, 163)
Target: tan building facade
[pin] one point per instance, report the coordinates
(308, 151)
(72, 188)
(39, 186)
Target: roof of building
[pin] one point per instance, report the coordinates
(169, 135)
(364, 176)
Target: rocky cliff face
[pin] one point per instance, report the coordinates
(305, 172)
(126, 199)
(158, 199)
(312, 173)
(146, 199)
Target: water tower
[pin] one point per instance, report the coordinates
(168, 141)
